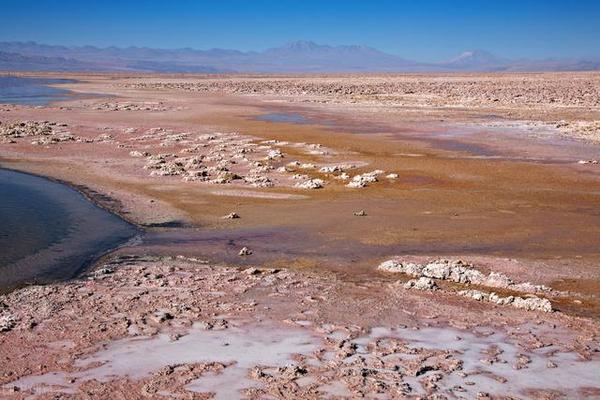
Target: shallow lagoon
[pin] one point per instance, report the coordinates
(32, 91)
(49, 231)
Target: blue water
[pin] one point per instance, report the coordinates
(31, 91)
(290, 118)
(49, 231)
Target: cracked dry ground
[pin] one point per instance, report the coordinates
(175, 327)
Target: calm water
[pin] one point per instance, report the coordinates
(31, 91)
(49, 231)
(289, 118)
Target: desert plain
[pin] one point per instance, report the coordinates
(318, 236)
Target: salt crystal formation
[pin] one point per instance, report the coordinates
(463, 273)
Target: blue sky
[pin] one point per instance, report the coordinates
(418, 30)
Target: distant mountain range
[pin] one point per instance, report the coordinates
(300, 56)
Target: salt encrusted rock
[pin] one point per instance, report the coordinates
(293, 164)
(422, 283)
(463, 273)
(167, 169)
(44, 132)
(259, 181)
(437, 270)
(225, 177)
(361, 213)
(360, 181)
(368, 178)
(529, 287)
(300, 176)
(530, 303)
(311, 184)
(392, 176)
(27, 128)
(495, 279)
(274, 154)
(391, 266)
(307, 166)
(58, 137)
(7, 323)
(405, 268)
(136, 153)
(231, 215)
(413, 269)
(329, 169)
(343, 176)
(588, 162)
(245, 251)
(356, 184)
(533, 303)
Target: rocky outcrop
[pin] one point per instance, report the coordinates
(532, 303)
(465, 274)
(460, 272)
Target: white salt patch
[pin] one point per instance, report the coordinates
(570, 375)
(336, 389)
(137, 358)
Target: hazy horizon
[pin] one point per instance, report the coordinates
(430, 31)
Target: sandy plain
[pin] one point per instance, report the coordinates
(497, 170)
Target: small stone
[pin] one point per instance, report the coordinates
(360, 213)
(231, 215)
(245, 251)
(162, 316)
(7, 323)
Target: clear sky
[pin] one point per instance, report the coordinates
(419, 30)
